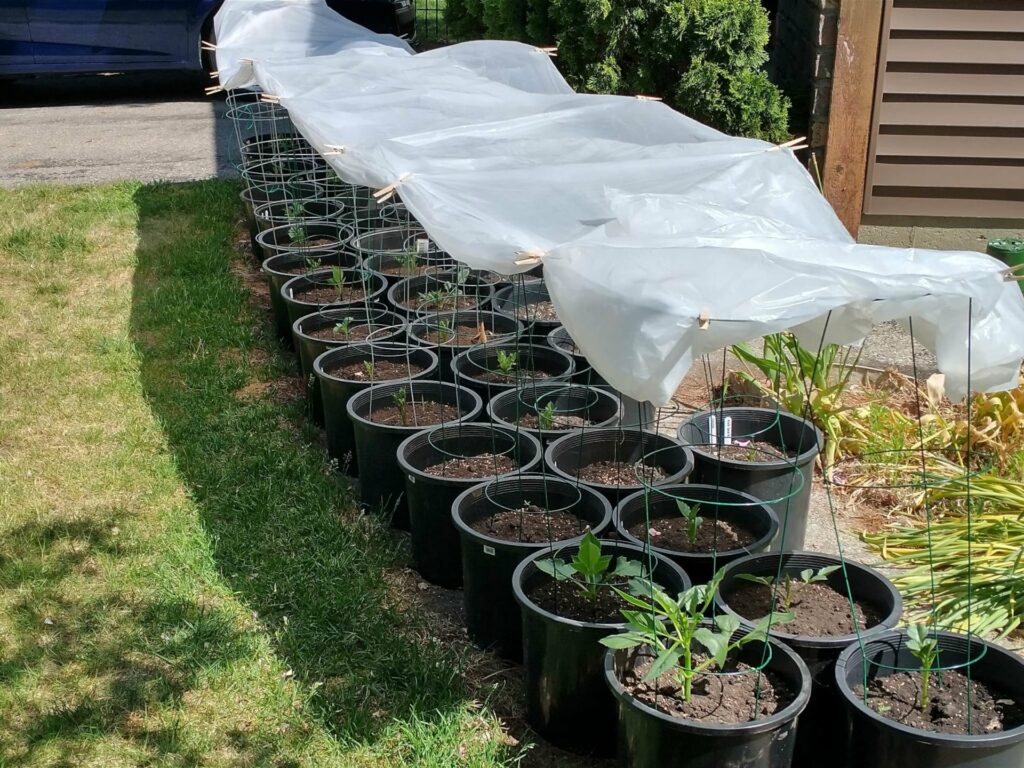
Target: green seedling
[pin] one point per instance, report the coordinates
(590, 571)
(546, 416)
(344, 327)
(313, 263)
(337, 280)
(507, 362)
(444, 331)
(692, 517)
(791, 585)
(399, 399)
(294, 211)
(925, 647)
(673, 628)
(408, 261)
(369, 369)
(436, 299)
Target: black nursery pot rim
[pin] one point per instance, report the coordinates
(534, 460)
(524, 569)
(370, 295)
(270, 269)
(660, 444)
(707, 450)
(821, 642)
(463, 365)
(980, 741)
(463, 319)
(387, 331)
(552, 389)
(424, 386)
(689, 725)
(667, 491)
(527, 546)
(400, 351)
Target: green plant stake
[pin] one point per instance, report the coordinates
(925, 647)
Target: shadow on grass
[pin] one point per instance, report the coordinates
(282, 529)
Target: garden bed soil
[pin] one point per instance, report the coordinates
(671, 533)
(328, 294)
(537, 310)
(896, 697)
(721, 699)
(820, 610)
(355, 333)
(565, 421)
(383, 370)
(422, 413)
(621, 473)
(529, 524)
(754, 452)
(468, 467)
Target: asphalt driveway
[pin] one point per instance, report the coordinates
(85, 129)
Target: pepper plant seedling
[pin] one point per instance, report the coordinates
(344, 327)
(692, 517)
(408, 261)
(791, 586)
(338, 280)
(369, 368)
(507, 362)
(672, 627)
(590, 571)
(297, 234)
(399, 399)
(925, 647)
(546, 416)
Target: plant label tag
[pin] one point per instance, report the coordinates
(422, 244)
(727, 428)
(713, 430)
(412, 479)
(488, 550)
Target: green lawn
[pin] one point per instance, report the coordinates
(182, 581)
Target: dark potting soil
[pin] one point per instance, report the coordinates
(460, 336)
(671, 533)
(538, 310)
(447, 304)
(383, 370)
(564, 599)
(898, 696)
(422, 413)
(498, 377)
(397, 270)
(560, 421)
(302, 269)
(320, 242)
(482, 465)
(621, 473)
(530, 524)
(820, 610)
(354, 333)
(328, 294)
(713, 698)
(753, 452)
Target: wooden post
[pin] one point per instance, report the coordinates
(853, 96)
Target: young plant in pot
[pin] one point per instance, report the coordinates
(765, 452)
(530, 303)
(331, 287)
(925, 697)
(618, 462)
(700, 527)
(283, 267)
(390, 241)
(501, 522)
(817, 589)
(696, 691)
(344, 371)
(439, 464)
(384, 415)
(447, 291)
(301, 236)
(299, 213)
(549, 410)
(256, 195)
(396, 267)
(568, 603)
(327, 328)
(450, 333)
(492, 368)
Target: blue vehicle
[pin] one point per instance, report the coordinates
(54, 36)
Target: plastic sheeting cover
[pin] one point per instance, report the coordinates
(646, 219)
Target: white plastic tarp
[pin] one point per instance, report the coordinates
(646, 220)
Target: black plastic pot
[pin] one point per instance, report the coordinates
(292, 292)
(879, 742)
(404, 296)
(493, 620)
(640, 415)
(393, 241)
(518, 296)
(381, 478)
(386, 263)
(820, 728)
(276, 170)
(335, 391)
(499, 329)
(783, 483)
(281, 239)
(435, 542)
(474, 363)
(599, 406)
(265, 145)
(279, 270)
(254, 196)
(386, 327)
(649, 738)
(297, 213)
(567, 454)
(567, 701)
(724, 504)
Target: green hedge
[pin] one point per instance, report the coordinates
(704, 57)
